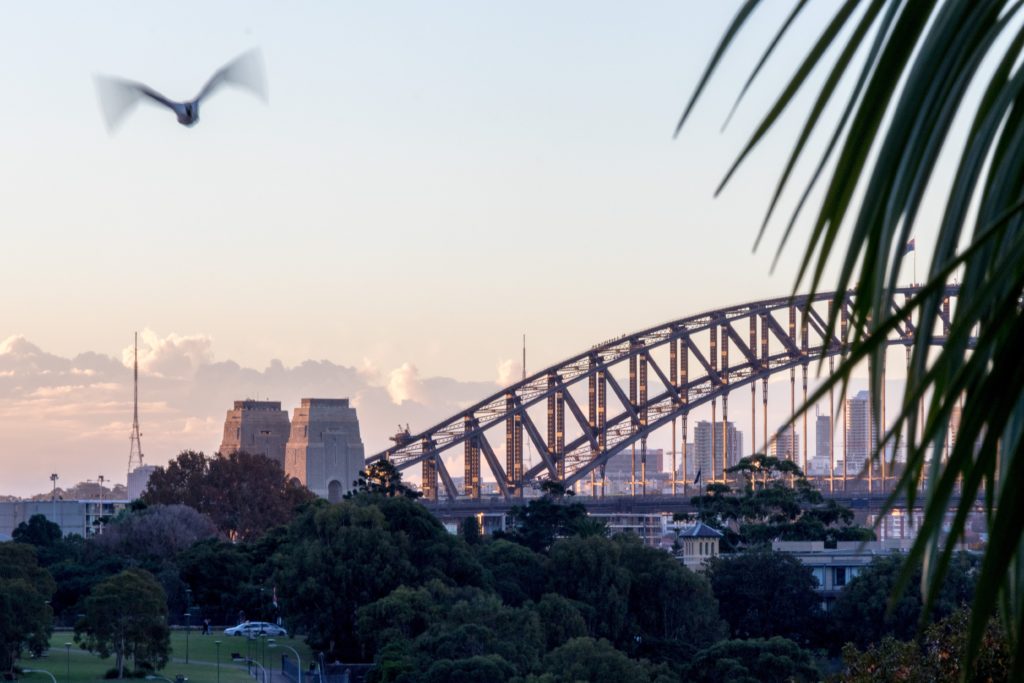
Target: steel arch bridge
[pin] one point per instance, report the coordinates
(581, 412)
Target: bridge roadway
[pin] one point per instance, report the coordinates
(862, 503)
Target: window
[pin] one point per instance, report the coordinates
(819, 575)
(839, 576)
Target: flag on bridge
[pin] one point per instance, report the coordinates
(696, 480)
(910, 246)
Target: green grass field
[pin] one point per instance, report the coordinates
(79, 666)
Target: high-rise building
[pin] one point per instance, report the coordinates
(820, 464)
(786, 444)
(138, 480)
(258, 428)
(860, 437)
(619, 464)
(324, 451)
(823, 437)
(708, 457)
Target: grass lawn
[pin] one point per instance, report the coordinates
(79, 666)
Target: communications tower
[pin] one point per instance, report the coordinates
(135, 450)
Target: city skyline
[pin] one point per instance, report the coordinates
(325, 236)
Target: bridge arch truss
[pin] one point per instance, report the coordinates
(578, 414)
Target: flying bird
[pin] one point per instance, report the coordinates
(119, 96)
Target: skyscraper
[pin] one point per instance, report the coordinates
(823, 437)
(860, 438)
(708, 458)
(783, 449)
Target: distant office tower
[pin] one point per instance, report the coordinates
(709, 460)
(860, 439)
(258, 428)
(619, 464)
(823, 437)
(782, 448)
(138, 480)
(324, 451)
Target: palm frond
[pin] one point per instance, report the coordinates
(918, 67)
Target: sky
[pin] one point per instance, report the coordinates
(428, 182)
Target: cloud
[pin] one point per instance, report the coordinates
(404, 384)
(510, 371)
(171, 356)
(73, 415)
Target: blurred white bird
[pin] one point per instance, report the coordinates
(119, 96)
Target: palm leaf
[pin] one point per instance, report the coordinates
(927, 64)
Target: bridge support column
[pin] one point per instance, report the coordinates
(643, 424)
(429, 483)
(673, 364)
(804, 348)
(764, 380)
(602, 412)
(513, 447)
(846, 431)
(556, 426)
(684, 396)
(793, 455)
(753, 386)
(633, 425)
(713, 358)
(725, 403)
(471, 485)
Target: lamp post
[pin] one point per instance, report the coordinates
(67, 673)
(254, 662)
(41, 671)
(217, 643)
(273, 643)
(188, 619)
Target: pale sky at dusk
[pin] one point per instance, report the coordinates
(428, 182)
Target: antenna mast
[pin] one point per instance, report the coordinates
(135, 450)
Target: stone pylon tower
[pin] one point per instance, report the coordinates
(324, 450)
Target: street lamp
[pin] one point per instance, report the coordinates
(273, 643)
(41, 671)
(250, 660)
(67, 674)
(217, 643)
(188, 619)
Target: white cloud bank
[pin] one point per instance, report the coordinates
(73, 415)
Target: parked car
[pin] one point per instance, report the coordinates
(256, 628)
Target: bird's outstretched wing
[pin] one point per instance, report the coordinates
(245, 71)
(119, 96)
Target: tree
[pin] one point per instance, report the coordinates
(383, 478)
(244, 494)
(157, 532)
(775, 660)
(867, 609)
(762, 594)
(512, 570)
(586, 659)
(470, 530)
(126, 616)
(589, 571)
(910, 67)
(545, 519)
(37, 531)
(26, 619)
(671, 609)
(775, 502)
(934, 658)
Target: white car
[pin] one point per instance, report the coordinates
(256, 628)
